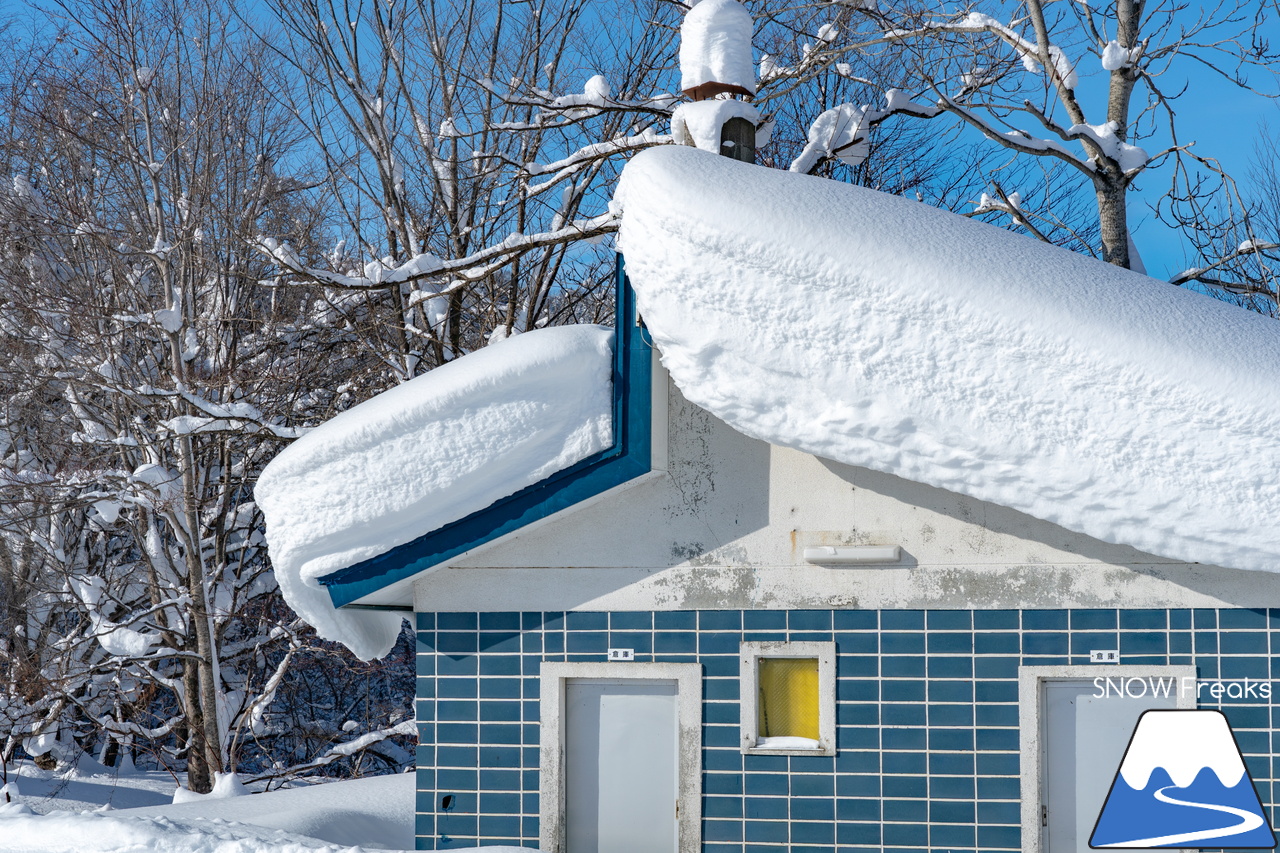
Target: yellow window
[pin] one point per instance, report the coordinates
(788, 700)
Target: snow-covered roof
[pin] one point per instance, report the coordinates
(877, 331)
(715, 47)
(425, 454)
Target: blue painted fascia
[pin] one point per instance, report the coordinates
(627, 458)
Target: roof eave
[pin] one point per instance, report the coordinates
(629, 457)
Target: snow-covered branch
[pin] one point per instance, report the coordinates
(589, 154)
(1016, 140)
(1201, 274)
(844, 131)
(346, 749)
(452, 274)
(595, 99)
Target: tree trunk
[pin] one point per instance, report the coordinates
(205, 674)
(201, 627)
(1113, 220)
(455, 324)
(110, 752)
(1128, 22)
(199, 778)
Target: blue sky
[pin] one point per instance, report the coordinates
(1224, 121)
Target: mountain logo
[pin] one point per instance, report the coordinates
(1182, 782)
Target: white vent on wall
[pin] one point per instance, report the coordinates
(852, 554)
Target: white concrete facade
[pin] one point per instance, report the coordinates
(726, 526)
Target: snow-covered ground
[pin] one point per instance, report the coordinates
(93, 809)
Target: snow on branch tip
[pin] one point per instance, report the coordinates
(843, 132)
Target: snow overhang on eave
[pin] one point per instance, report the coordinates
(630, 456)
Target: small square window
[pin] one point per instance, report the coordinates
(788, 698)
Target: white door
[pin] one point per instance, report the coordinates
(1084, 741)
(621, 751)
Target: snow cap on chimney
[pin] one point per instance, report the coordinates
(715, 50)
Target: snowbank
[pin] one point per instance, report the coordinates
(82, 784)
(225, 786)
(337, 817)
(880, 332)
(426, 453)
(65, 832)
(374, 812)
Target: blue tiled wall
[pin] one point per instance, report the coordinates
(927, 716)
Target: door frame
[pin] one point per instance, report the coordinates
(688, 680)
(1031, 721)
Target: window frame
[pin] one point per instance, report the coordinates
(749, 654)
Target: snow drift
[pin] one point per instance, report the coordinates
(369, 812)
(426, 453)
(876, 331)
(354, 815)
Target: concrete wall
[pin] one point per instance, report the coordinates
(727, 524)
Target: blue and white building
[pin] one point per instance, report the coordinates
(715, 635)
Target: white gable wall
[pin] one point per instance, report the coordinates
(727, 525)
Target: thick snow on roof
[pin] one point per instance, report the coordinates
(877, 331)
(715, 46)
(426, 453)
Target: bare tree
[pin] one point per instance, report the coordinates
(427, 167)
(1234, 232)
(152, 377)
(1015, 80)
